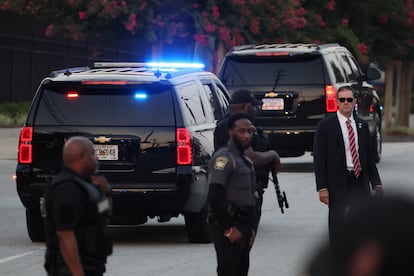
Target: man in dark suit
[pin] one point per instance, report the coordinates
(344, 161)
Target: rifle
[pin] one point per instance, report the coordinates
(281, 196)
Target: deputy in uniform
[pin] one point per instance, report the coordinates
(75, 211)
(264, 159)
(232, 201)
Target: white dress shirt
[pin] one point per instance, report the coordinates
(345, 135)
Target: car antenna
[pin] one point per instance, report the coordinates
(67, 72)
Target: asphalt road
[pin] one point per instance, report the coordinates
(283, 245)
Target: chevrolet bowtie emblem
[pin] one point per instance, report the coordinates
(101, 139)
(271, 94)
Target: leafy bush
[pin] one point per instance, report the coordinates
(13, 114)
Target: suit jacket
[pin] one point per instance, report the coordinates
(330, 159)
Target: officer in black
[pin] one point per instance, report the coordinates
(264, 159)
(75, 211)
(232, 201)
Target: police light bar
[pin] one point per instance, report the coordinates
(177, 65)
(151, 65)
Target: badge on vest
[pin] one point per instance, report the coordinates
(220, 163)
(103, 205)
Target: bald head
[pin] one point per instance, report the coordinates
(79, 155)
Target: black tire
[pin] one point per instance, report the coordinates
(377, 142)
(34, 223)
(197, 228)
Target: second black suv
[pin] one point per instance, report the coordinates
(297, 84)
(152, 127)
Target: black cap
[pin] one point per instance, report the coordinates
(244, 96)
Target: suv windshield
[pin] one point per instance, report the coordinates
(265, 70)
(99, 105)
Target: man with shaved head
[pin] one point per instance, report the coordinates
(76, 210)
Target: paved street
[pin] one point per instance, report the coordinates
(283, 245)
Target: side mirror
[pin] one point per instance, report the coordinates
(373, 73)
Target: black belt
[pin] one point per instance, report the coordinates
(350, 173)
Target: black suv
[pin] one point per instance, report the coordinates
(297, 84)
(152, 127)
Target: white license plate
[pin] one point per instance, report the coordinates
(106, 152)
(273, 104)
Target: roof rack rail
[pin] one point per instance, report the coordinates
(327, 45)
(68, 71)
(118, 64)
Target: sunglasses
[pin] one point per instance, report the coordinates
(349, 100)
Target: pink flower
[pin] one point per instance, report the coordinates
(383, 18)
(224, 33)
(363, 48)
(131, 24)
(209, 28)
(345, 22)
(255, 26)
(330, 5)
(410, 42)
(49, 30)
(201, 39)
(82, 15)
(216, 12)
(319, 20)
(409, 4)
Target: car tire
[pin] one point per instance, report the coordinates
(197, 228)
(34, 223)
(377, 142)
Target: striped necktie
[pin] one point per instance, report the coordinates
(352, 145)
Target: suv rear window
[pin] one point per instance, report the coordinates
(99, 105)
(256, 70)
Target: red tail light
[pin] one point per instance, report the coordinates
(330, 94)
(184, 151)
(371, 108)
(25, 145)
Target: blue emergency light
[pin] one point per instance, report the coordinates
(140, 95)
(174, 65)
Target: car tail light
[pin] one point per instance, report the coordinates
(371, 108)
(330, 94)
(184, 150)
(25, 145)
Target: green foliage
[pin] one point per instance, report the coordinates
(379, 30)
(13, 114)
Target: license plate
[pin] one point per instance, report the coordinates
(106, 152)
(273, 104)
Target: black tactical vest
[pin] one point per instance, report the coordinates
(93, 242)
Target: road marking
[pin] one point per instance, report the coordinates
(14, 257)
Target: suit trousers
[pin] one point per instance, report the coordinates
(338, 209)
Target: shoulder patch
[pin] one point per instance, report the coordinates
(220, 163)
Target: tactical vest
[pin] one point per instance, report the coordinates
(94, 244)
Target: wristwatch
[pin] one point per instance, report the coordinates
(228, 232)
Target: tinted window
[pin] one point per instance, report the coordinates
(349, 70)
(111, 106)
(285, 70)
(336, 68)
(216, 95)
(195, 110)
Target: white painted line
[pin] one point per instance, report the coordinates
(14, 257)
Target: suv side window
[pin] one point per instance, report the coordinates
(354, 65)
(336, 68)
(223, 98)
(351, 72)
(215, 96)
(194, 107)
